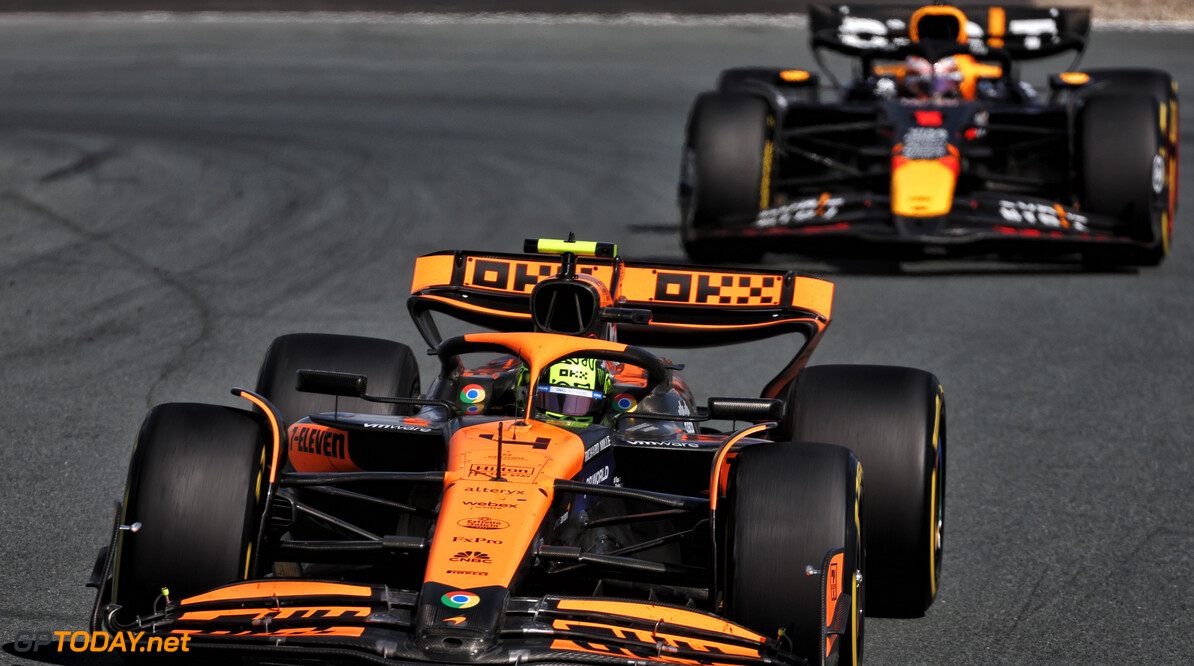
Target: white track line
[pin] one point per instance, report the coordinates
(508, 18)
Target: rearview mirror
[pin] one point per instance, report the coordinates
(746, 409)
(330, 383)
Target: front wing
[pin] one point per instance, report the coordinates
(344, 622)
(976, 224)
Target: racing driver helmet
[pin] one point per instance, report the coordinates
(938, 80)
(573, 390)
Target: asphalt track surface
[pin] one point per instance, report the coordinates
(175, 194)
(390, 6)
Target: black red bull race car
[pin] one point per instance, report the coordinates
(934, 146)
(557, 495)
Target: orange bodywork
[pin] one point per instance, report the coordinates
(478, 308)
(641, 611)
(655, 643)
(275, 431)
(631, 284)
(1074, 78)
(923, 188)
(250, 615)
(540, 349)
(750, 304)
(973, 70)
(937, 10)
(431, 270)
(280, 589)
(833, 592)
(484, 524)
(694, 287)
(518, 276)
(813, 294)
(721, 463)
(319, 448)
(996, 26)
(285, 631)
(652, 640)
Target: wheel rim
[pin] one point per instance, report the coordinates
(937, 501)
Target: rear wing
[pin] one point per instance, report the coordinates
(650, 304)
(1022, 32)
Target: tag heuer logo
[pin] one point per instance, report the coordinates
(471, 556)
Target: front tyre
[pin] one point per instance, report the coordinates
(893, 419)
(726, 174)
(792, 506)
(1127, 169)
(195, 486)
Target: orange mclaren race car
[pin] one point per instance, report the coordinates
(934, 146)
(556, 496)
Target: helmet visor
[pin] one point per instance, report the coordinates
(569, 401)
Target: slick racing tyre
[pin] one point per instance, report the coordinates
(391, 370)
(894, 421)
(726, 170)
(193, 494)
(791, 507)
(390, 367)
(1128, 156)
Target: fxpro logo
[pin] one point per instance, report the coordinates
(476, 540)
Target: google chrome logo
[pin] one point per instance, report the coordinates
(460, 599)
(624, 402)
(472, 394)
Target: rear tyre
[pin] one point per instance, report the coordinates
(790, 506)
(894, 420)
(391, 371)
(194, 485)
(726, 172)
(1128, 158)
(390, 367)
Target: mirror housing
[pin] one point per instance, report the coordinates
(331, 383)
(746, 409)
